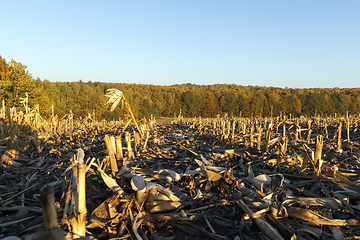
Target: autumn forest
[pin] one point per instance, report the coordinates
(191, 100)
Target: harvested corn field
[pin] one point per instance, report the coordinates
(219, 178)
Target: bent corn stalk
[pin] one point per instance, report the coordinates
(115, 97)
(262, 224)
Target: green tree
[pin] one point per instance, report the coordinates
(211, 107)
(191, 103)
(21, 82)
(229, 104)
(16, 82)
(4, 78)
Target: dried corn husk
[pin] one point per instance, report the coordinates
(318, 219)
(312, 202)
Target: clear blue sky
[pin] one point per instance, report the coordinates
(297, 44)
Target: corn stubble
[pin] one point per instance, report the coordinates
(218, 178)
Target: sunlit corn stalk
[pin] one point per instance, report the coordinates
(317, 156)
(338, 144)
(25, 101)
(12, 143)
(115, 97)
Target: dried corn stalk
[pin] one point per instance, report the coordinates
(115, 97)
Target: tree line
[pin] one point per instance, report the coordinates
(189, 99)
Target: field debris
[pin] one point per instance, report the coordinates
(220, 178)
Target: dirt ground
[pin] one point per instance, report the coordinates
(167, 120)
(164, 120)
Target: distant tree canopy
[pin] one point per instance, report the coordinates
(192, 100)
